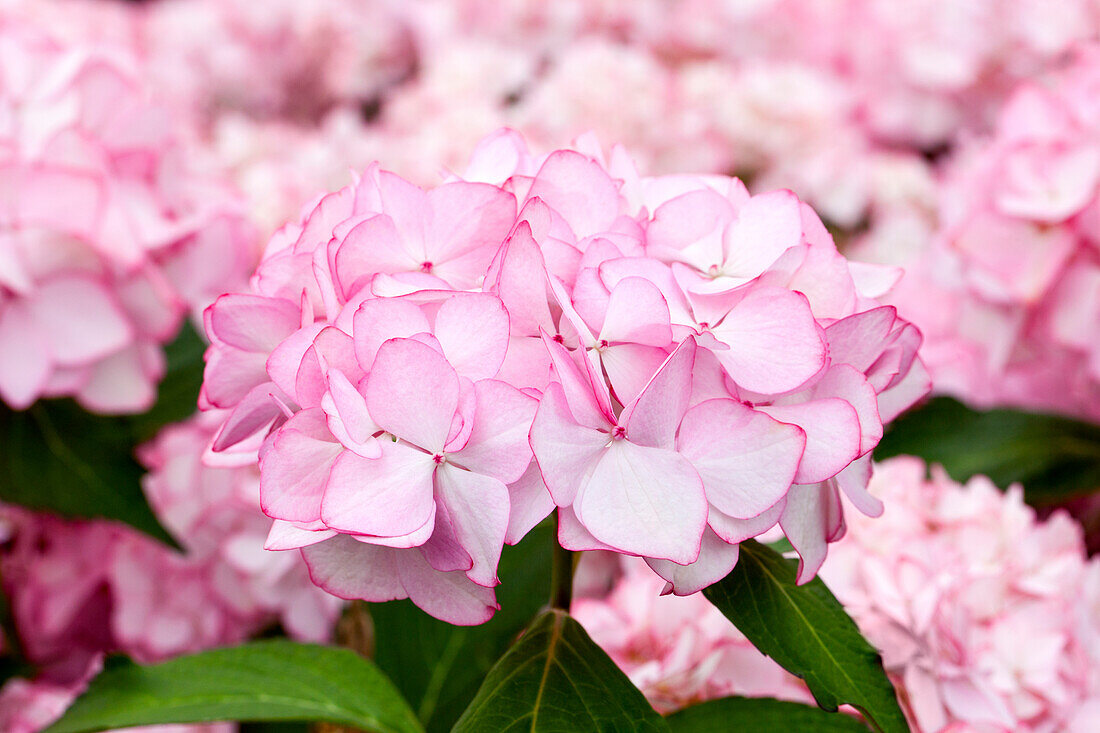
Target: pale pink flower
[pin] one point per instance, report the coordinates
(107, 238)
(1008, 290)
(679, 650)
(982, 614)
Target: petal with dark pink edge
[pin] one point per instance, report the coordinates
(386, 497)
(412, 392)
(644, 501)
(716, 560)
(746, 459)
(450, 597)
(352, 570)
(566, 451)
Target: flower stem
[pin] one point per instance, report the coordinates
(561, 577)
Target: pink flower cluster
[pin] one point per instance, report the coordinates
(1008, 292)
(687, 365)
(107, 238)
(679, 650)
(78, 589)
(985, 617)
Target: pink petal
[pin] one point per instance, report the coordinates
(637, 313)
(450, 597)
(443, 550)
(767, 225)
(478, 509)
(579, 189)
(381, 319)
(291, 536)
(285, 361)
(565, 450)
(775, 344)
(386, 497)
(716, 560)
(498, 444)
(832, 435)
(654, 416)
(412, 392)
(572, 535)
(858, 340)
(124, 382)
(252, 322)
(472, 328)
(80, 319)
(520, 266)
(348, 419)
(853, 482)
(295, 469)
(371, 247)
(468, 221)
(530, 503)
(258, 409)
(25, 370)
(629, 367)
(645, 501)
(916, 384)
(846, 383)
(351, 570)
(737, 530)
(746, 459)
(812, 515)
(231, 373)
(587, 403)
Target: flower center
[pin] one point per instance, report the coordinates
(439, 459)
(618, 432)
(425, 266)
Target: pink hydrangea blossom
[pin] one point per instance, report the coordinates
(950, 580)
(402, 348)
(679, 650)
(107, 239)
(1008, 290)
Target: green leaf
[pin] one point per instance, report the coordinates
(761, 715)
(556, 679)
(274, 680)
(805, 629)
(1054, 457)
(57, 457)
(439, 667)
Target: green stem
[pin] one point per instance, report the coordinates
(561, 577)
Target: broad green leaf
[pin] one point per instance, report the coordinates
(555, 679)
(761, 715)
(1055, 458)
(805, 629)
(274, 680)
(439, 667)
(57, 457)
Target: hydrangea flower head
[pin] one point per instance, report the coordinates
(673, 363)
